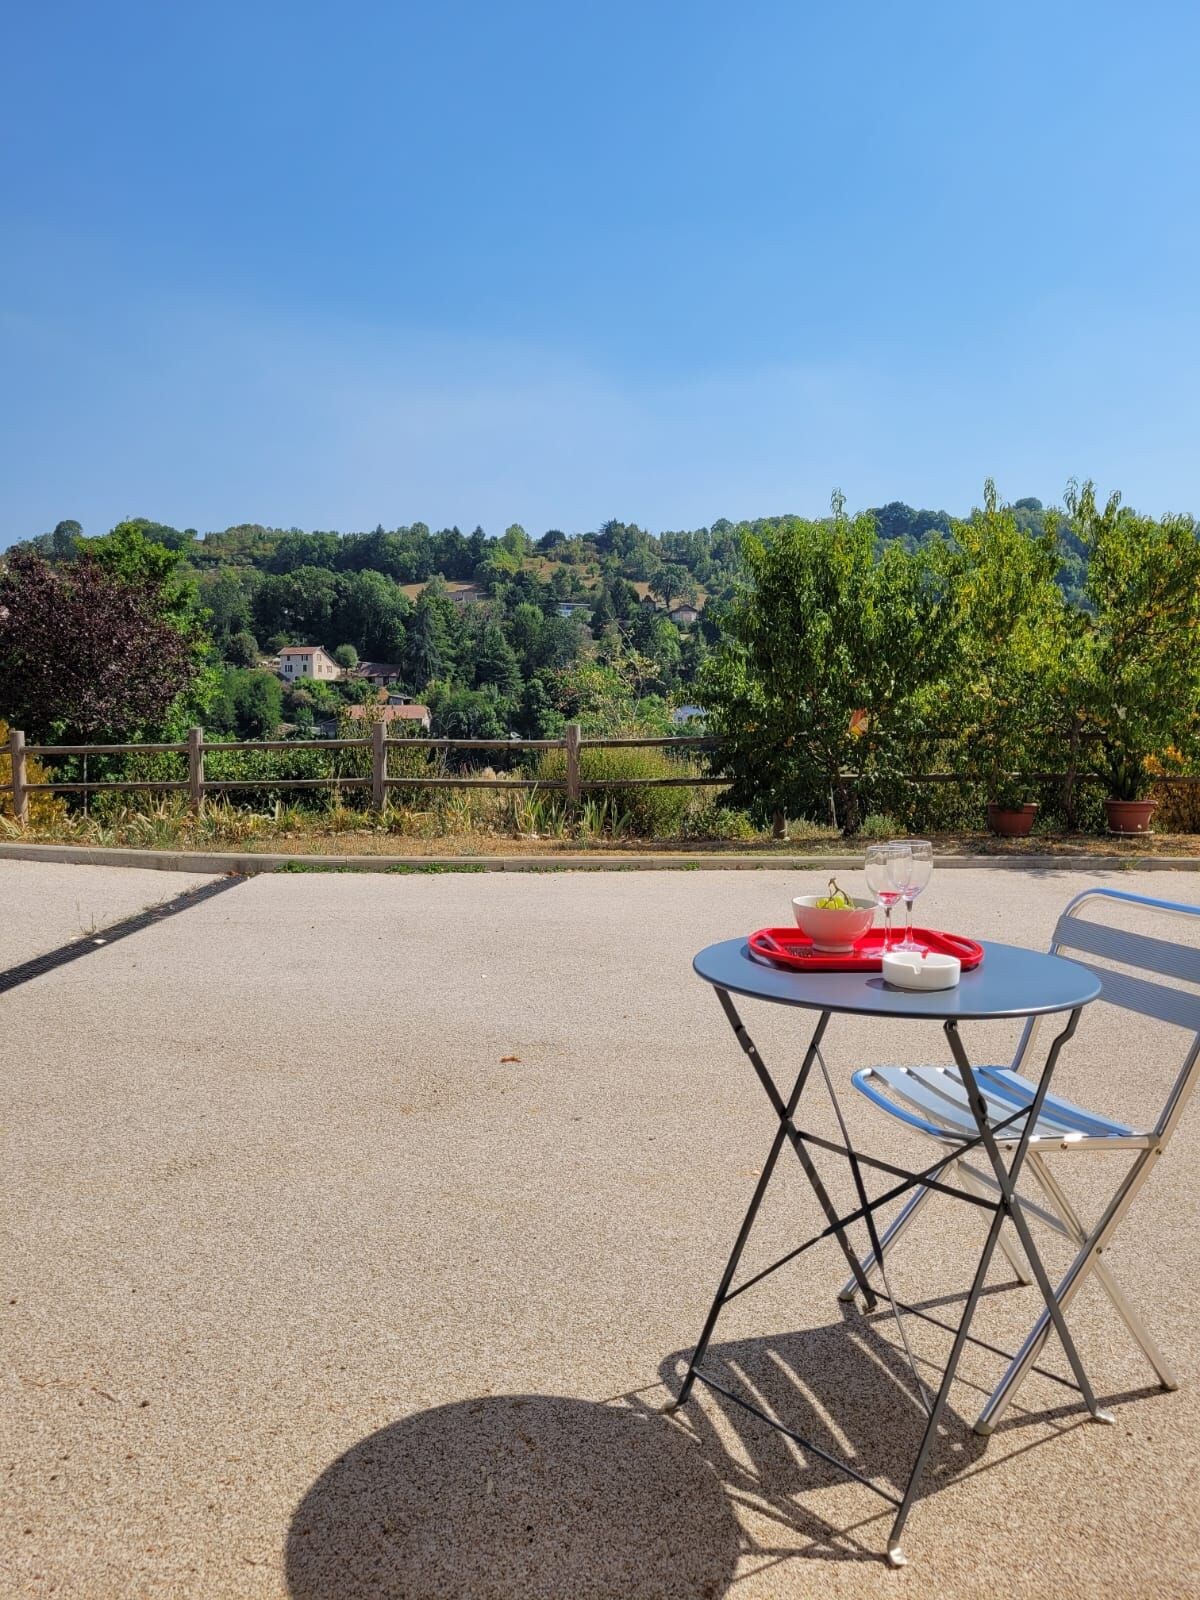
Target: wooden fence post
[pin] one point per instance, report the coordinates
(195, 753)
(574, 734)
(16, 748)
(378, 765)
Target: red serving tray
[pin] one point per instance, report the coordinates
(788, 947)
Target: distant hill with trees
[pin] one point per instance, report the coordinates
(498, 635)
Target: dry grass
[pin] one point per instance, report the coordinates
(494, 823)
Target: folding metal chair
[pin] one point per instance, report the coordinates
(932, 1099)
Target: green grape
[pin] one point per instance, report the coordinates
(835, 900)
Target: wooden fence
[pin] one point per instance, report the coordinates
(379, 780)
(196, 785)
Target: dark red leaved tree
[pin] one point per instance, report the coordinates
(84, 653)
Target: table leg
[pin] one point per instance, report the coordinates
(1006, 1179)
(784, 1110)
(784, 1113)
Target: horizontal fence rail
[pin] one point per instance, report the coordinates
(380, 780)
(574, 784)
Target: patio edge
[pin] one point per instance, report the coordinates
(248, 863)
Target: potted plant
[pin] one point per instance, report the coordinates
(1011, 813)
(1129, 784)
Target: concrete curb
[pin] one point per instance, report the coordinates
(248, 863)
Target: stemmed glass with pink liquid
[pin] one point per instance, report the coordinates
(887, 872)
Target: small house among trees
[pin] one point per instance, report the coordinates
(298, 661)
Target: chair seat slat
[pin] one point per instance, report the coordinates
(1020, 1091)
(939, 1094)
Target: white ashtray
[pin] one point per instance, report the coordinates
(915, 969)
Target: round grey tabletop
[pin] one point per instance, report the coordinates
(1009, 982)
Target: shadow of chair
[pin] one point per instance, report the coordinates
(505, 1497)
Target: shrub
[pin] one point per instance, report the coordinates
(1178, 803)
(647, 813)
(879, 825)
(262, 766)
(42, 807)
(716, 821)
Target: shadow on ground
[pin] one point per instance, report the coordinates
(521, 1495)
(516, 1496)
(848, 1389)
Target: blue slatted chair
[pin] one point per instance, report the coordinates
(931, 1099)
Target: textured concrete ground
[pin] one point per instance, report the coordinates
(45, 907)
(355, 1228)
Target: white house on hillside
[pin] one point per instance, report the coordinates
(298, 661)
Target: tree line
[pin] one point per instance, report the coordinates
(821, 646)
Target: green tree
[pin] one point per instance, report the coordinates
(1135, 665)
(249, 703)
(457, 713)
(495, 662)
(824, 628)
(373, 615)
(242, 649)
(1003, 691)
(130, 555)
(668, 582)
(346, 657)
(429, 651)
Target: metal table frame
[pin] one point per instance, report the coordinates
(1007, 1206)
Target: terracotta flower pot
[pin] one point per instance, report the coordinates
(1129, 816)
(1011, 822)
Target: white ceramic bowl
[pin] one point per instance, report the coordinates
(835, 932)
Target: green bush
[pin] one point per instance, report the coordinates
(646, 813)
(263, 766)
(717, 821)
(879, 825)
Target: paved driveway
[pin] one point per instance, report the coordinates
(355, 1227)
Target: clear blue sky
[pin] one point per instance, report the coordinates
(337, 264)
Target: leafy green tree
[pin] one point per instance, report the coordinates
(225, 600)
(372, 615)
(249, 703)
(458, 713)
(298, 605)
(429, 651)
(242, 650)
(346, 657)
(1002, 691)
(669, 582)
(128, 553)
(1135, 665)
(516, 541)
(825, 627)
(537, 716)
(495, 662)
(526, 625)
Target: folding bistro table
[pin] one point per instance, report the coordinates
(1010, 983)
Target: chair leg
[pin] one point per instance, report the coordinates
(1161, 1367)
(1085, 1262)
(890, 1234)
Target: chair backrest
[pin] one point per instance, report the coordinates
(1079, 938)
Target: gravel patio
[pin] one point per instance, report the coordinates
(354, 1228)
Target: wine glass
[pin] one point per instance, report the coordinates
(885, 873)
(914, 868)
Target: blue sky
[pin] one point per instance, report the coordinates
(332, 265)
